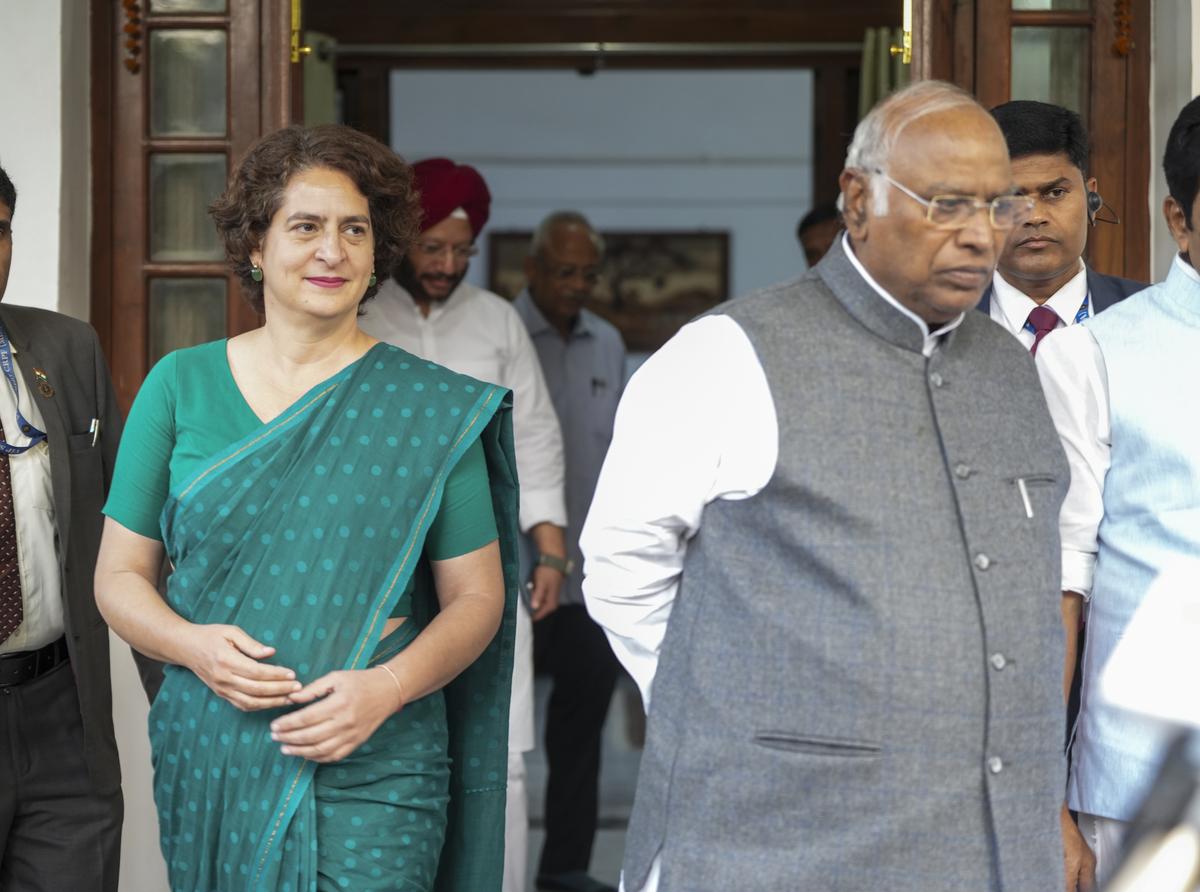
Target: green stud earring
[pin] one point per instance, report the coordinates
(371, 281)
(256, 273)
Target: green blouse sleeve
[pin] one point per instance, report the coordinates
(466, 520)
(141, 480)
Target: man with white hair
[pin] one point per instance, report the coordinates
(583, 358)
(825, 544)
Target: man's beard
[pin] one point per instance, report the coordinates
(407, 278)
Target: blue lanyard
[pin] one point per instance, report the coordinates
(1079, 317)
(6, 363)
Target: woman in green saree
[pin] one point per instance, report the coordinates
(340, 519)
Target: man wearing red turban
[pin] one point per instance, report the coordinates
(429, 310)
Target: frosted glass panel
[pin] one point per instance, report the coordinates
(187, 5)
(1051, 65)
(182, 186)
(187, 82)
(184, 312)
(1052, 4)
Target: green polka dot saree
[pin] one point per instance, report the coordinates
(306, 534)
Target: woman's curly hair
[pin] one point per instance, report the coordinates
(255, 192)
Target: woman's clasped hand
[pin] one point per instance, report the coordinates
(338, 711)
(342, 710)
(231, 664)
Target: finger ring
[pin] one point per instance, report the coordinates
(529, 586)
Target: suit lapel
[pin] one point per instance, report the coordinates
(985, 302)
(1101, 294)
(52, 414)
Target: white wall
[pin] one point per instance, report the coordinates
(632, 150)
(142, 865)
(44, 147)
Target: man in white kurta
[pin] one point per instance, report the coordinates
(428, 310)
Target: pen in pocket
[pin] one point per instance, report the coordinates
(1024, 490)
(1023, 484)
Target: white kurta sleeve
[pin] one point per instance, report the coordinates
(696, 423)
(536, 432)
(1075, 382)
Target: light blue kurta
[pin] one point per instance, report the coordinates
(1151, 348)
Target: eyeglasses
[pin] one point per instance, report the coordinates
(956, 211)
(437, 249)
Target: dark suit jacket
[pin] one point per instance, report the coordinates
(1105, 291)
(68, 352)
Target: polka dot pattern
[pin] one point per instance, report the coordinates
(381, 820)
(315, 576)
(12, 609)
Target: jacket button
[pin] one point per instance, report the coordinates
(995, 764)
(998, 661)
(982, 562)
(936, 379)
(962, 471)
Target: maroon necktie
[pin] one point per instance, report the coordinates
(11, 607)
(1044, 320)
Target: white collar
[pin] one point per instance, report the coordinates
(407, 303)
(931, 338)
(1187, 268)
(1015, 305)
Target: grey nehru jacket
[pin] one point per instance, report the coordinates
(860, 684)
(585, 375)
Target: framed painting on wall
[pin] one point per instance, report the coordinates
(651, 283)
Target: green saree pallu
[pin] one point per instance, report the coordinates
(306, 534)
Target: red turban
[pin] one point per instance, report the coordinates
(446, 186)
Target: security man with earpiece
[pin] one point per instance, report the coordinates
(1041, 282)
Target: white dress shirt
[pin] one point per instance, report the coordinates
(37, 538)
(648, 501)
(477, 333)
(671, 455)
(1075, 382)
(697, 423)
(1011, 307)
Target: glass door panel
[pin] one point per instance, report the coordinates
(1052, 5)
(185, 312)
(1051, 65)
(169, 6)
(187, 82)
(182, 186)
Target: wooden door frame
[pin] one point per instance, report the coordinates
(103, 70)
(119, 197)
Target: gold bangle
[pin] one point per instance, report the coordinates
(387, 669)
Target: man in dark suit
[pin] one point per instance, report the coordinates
(1041, 282)
(60, 782)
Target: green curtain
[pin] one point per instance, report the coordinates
(882, 72)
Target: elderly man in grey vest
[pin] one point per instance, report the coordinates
(825, 544)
